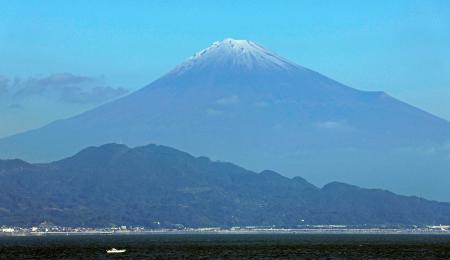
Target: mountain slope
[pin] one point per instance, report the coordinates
(237, 101)
(114, 184)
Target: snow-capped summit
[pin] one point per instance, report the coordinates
(236, 54)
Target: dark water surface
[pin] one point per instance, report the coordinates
(219, 246)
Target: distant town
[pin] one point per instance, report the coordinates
(48, 229)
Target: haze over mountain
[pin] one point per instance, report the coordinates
(239, 102)
(158, 186)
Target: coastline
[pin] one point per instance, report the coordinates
(371, 231)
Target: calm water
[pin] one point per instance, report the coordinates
(281, 246)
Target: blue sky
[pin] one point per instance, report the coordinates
(401, 47)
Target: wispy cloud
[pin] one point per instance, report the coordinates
(226, 101)
(335, 125)
(4, 82)
(442, 149)
(14, 107)
(65, 87)
(329, 124)
(261, 104)
(214, 112)
(27, 103)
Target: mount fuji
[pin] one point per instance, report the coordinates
(237, 101)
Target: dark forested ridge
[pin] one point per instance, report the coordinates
(115, 184)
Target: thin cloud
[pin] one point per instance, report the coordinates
(214, 112)
(27, 103)
(431, 150)
(261, 104)
(4, 83)
(226, 101)
(336, 126)
(93, 95)
(66, 87)
(329, 125)
(14, 107)
(63, 79)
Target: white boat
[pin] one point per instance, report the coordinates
(115, 251)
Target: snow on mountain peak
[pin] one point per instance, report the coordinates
(240, 54)
(238, 45)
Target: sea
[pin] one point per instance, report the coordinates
(228, 246)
